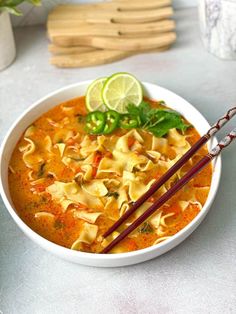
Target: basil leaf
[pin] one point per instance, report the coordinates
(140, 111)
(161, 121)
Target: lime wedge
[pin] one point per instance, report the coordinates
(122, 89)
(93, 98)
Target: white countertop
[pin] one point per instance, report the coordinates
(198, 276)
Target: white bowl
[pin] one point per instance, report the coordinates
(103, 260)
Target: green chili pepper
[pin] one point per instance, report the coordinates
(128, 121)
(95, 122)
(112, 121)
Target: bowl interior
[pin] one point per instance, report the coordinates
(43, 105)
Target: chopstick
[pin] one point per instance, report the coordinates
(176, 187)
(158, 183)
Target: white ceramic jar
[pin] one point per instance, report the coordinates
(7, 42)
(218, 27)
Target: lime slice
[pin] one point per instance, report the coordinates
(122, 89)
(93, 98)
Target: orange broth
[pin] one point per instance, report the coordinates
(64, 229)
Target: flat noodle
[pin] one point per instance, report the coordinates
(75, 161)
(142, 209)
(160, 231)
(44, 215)
(29, 158)
(136, 147)
(137, 188)
(122, 143)
(181, 150)
(61, 191)
(155, 219)
(62, 135)
(88, 146)
(163, 219)
(124, 208)
(176, 139)
(184, 205)
(146, 166)
(53, 123)
(48, 143)
(11, 169)
(87, 235)
(61, 147)
(89, 217)
(111, 209)
(88, 172)
(30, 131)
(165, 165)
(110, 238)
(159, 144)
(196, 203)
(38, 181)
(65, 204)
(108, 165)
(122, 196)
(68, 110)
(154, 154)
(30, 175)
(161, 239)
(129, 160)
(95, 188)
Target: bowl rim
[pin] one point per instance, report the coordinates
(51, 246)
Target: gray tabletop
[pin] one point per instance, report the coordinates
(198, 276)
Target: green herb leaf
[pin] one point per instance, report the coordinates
(41, 170)
(43, 199)
(35, 2)
(10, 5)
(156, 121)
(160, 121)
(140, 111)
(114, 194)
(58, 224)
(145, 228)
(77, 158)
(80, 117)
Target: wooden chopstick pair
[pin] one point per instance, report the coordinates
(179, 184)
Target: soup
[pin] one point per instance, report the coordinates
(70, 186)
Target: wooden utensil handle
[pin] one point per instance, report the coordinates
(58, 50)
(116, 5)
(111, 16)
(92, 58)
(76, 29)
(125, 44)
(124, 5)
